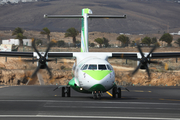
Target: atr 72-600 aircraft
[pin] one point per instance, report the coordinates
(92, 71)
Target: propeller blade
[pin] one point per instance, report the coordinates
(137, 68)
(30, 60)
(139, 48)
(152, 50)
(49, 71)
(156, 62)
(36, 50)
(136, 59)
(147, 70)
(35, 72)
(49, 60)
(47, 50)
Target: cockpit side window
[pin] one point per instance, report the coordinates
(92, 67)
(108, 67)
(102, 67)
(84, 67)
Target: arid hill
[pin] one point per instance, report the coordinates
(143, 16)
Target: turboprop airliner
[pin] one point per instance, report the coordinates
(92, 73)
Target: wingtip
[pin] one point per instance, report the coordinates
(45, 15)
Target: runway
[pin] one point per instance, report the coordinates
(42, 103)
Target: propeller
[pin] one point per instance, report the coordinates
(144, 61)
(42, 60)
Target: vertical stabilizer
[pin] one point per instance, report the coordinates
(84, 29)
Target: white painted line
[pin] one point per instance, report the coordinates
(3, 86)
(102, 107)
(85, 117)
(99, 102)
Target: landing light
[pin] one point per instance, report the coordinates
(81, 88)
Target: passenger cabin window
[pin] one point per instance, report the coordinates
(108, 67)
(102, 67)
(92, 67)
(84, 67)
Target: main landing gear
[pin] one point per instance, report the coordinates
(116, 92)
(96, 94)
(66, 90)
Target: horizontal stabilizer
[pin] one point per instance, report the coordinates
(107, 16)
(80, 16)
(63, 16)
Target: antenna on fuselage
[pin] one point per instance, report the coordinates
(84, 25)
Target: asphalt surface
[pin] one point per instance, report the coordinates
(42, 103)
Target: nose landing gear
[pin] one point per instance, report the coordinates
(97, 94)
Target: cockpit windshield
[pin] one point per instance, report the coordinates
(96, 67)
(102, 67)
(92, 67)
(84, 67)
(109, 68)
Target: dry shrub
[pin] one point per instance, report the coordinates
(141, 78)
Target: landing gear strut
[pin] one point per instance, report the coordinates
(66, 90)
(96, 94)
(116, 92)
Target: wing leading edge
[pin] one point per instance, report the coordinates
(158, 55)
(31, 54)
(120, 55)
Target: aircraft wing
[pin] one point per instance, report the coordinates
(121, 55)
(16, 54)
(158, 55)
(165, 55)
(33, 54)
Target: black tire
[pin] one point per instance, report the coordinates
(68, 92)
(95, 96)
(99, 96)
(114, 92)
(119, 92)
(63, 92)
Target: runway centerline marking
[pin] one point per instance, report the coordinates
(85, 117)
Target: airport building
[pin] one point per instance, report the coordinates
(16, 1)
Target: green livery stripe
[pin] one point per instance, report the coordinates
(97, 87)
(72, 82)
(97, 74)
(86, 10)
(76, 88)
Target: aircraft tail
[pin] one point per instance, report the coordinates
(84, 30)
(84, 24)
